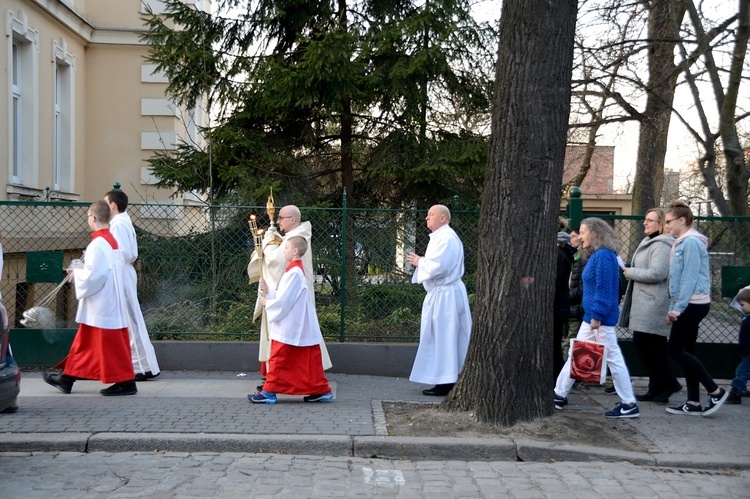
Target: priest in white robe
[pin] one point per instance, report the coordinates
(274, 265)
(446, 319)
(142, 351)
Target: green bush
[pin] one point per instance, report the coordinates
(378, 302)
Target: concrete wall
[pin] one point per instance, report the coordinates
(382, 359)
(34, 348)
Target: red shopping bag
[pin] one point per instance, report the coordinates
(588, 361)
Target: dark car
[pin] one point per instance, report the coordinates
(10, 374)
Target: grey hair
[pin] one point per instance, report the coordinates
(603, 235)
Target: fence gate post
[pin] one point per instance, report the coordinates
(575, 207)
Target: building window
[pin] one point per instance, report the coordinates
(63, 118)
(17, 116)
(23, 49)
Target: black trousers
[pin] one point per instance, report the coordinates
(652, 349)
(682, 341)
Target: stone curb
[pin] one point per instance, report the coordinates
(44, 442)
(531, 450)
(412, 448)
(317, 445)
(703, 461)
(435, 448)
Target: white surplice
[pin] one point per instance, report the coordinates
(273, 269)
(446, 319)
(142, 351)
(100, 283)
(291, 316)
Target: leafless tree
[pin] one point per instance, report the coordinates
(702, 50)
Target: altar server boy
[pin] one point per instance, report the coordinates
(101, 347)
(295, 364)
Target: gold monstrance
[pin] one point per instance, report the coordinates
(269, 207)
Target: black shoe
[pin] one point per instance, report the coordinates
(145, 376)
(715, 401)
(124, 388)
(321, 397)
(646, 397)
(734, 397)
(662, 397)
(610, 389)
(59, 381)
(11, 409)
(260, 388)
(677, 387)
(439, 390)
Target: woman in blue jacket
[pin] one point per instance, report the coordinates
(601, 297)
(690, 299)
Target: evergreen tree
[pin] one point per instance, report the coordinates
(381, 98)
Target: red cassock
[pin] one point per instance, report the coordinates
(295, 365)
(101, 347)
(295, 370)
(102, 354)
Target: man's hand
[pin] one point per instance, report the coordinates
(413, 259)
(263, 286)
(595, 323)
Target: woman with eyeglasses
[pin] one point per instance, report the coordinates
(690, 300)
(644, 305)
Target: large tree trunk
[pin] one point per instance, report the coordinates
(663, 31)
(507, 377)
(737, 170)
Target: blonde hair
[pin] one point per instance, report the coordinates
(602, 235)
(659, 213)
(299, 243)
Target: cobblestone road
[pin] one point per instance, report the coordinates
(163, 475)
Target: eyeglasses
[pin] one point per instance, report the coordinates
(280, 218)
(670, 220)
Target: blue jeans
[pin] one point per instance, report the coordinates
(741, 375)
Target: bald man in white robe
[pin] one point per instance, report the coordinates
(446, 319)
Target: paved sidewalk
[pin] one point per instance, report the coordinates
(209, 412)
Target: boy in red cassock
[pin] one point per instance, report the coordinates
(295, 366)
(101, 348)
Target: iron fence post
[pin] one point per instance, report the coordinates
(342, 289)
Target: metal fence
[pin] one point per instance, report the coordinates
(192, 267)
